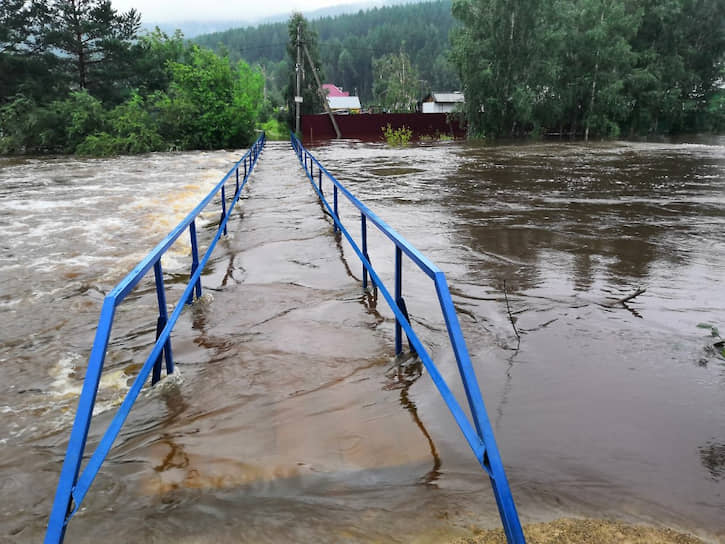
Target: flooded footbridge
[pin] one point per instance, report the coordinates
(302, 345)
(288, 416)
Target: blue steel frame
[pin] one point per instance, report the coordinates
(481, 440)
(73, 488)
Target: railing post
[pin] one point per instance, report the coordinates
(62, 504)
(398, 296)
(245, 166)
(224, 210)
(194, 261)
(320, 183)
(364, 229)
(160, 324)
(400, 301)
(337, 215)
(237, 190)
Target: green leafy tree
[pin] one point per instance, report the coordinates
(130, 129)
(496, 52)
(680, 46)
(152, 53)
(589, 67)
(396, 84)
(219, 102)
(19, 122)
(605, 29)
(57, 127)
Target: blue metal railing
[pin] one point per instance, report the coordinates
(479, 436)
(72, 487)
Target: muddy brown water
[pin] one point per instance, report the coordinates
(290, 419)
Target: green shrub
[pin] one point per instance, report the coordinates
(57, 127)
(134, 127)
(397, 137)
(275, 130)
(99, 145)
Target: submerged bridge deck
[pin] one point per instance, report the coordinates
(305, 333)
(308, 350)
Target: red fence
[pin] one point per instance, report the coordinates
(369, 126)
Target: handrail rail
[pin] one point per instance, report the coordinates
(73, 488)
(481, 440)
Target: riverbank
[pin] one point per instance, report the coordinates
(586, 531)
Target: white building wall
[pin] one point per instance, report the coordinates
(436, 107)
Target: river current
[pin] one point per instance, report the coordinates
(589, 285)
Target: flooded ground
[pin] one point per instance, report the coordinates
(290, 419)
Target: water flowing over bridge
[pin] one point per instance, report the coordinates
(296, 216)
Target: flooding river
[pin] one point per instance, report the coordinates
(291, 420)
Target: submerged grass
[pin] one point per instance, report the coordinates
(585, 531)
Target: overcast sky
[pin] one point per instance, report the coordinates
(159, 11)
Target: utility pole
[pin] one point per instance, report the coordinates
(298, 96)
(321, 92)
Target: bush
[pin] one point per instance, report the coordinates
(99, 145)
(397, 137)
(134, 128)
(221, 101)
(208, 103)
(275, 130)
(17, 125)
(57, 127)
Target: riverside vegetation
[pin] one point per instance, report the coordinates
(591, 67)
(399, 137)
(77, 77)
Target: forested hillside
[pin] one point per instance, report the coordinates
(599, 68)
(349, 44)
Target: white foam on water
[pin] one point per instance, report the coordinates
(173, 261)
(15, 228)
(71, 222)
(67, 385)
(62, 372)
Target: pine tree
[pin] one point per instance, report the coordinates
(96, 39)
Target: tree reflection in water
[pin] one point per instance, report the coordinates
(712, 455)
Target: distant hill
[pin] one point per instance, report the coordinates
(350, 41)
(192, 29)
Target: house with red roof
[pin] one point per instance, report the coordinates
(341, 101)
